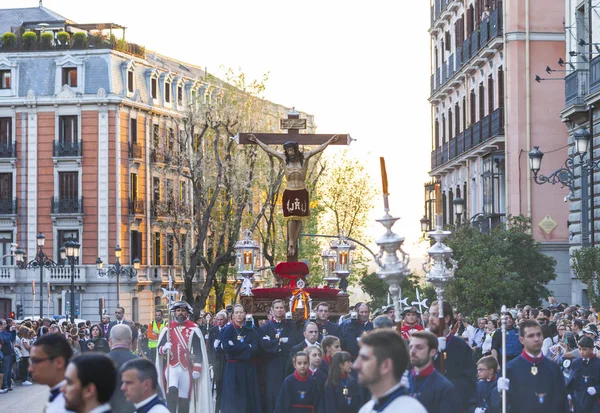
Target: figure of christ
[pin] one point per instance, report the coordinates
(295, 196)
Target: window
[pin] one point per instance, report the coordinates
(136, 246)
(133, 190)
(182, 192)
(67, 129)
(154, 88)
(167, 92)
(170, 141)
(157, 246)
(68, 185)
(133, 130)
(6, 239)
(130, 81)
(5, 79)
(6, 186)
(481, 101)
(5, 131)
(62, 236)
(170, 246)
(69, 76)
(180, 95)
(156, 135)
(493, 185)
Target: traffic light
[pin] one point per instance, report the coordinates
(19, 312)
(12, 315)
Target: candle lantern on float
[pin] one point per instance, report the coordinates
(342, 248)
(329, 261)
(246, 251)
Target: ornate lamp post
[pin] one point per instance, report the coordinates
(246, 251)
(342, 248)
(391, 260)
(117, 270)
(72, 249)
(459, 207)
(440, 267)
(565, 176)
(40, 261)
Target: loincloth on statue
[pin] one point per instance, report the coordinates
(295, 204)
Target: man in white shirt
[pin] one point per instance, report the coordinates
(140, 386)
(90, 381)
(381, 362)
(49, 356)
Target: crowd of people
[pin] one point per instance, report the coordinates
(435, 362)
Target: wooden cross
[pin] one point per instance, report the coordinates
(293, 124)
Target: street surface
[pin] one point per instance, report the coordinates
(24, 399)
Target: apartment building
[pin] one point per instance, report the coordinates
(488, 112)
(87, 137)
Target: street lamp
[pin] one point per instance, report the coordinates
(246, 251)
(425, 224)
(40, 261)
(565, 175)
(71, 250)
(459, 206)
(117, 270)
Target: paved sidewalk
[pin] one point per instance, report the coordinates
(24, 399)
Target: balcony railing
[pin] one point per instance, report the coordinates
(137, 206)
(66, 149)
(452, 148)
(8, 206)
(67, 205)
(476, 133)
(485, 128)
(444, 72)
(468, 139)
(161, 155)
(484, 31)
(475, 42)
(135, 151)
(495, 23)
(458, 58)
(63, 274)
(595, 75)
(438, 82)
(451, 66)
(489, 127)
(575, 88)
(497, 128)
(8, 150)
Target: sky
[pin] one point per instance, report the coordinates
(359, 67)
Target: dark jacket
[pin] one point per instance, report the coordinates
(118, 402)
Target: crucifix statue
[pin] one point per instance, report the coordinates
(295, 201)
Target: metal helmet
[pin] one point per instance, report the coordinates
(181, 304)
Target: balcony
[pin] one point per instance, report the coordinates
(485, 128)
(66, 149)
(137, 206)
(8, 150)
(67, 205)
(452, 148)
(476, 133)
(575, 88)
(497, 123)
(460, 144)
(161, 155)
(445, 152)
(482, 37)
(468, 139)
(8, 206)
(135, 151)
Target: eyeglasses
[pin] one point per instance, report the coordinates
(34, 360)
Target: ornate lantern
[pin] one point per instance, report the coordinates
(246, 251)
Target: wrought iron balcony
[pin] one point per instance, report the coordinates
(575, 88)
(484, 31)
(161, 155)
(67, 205)
(476, 133)
(595, 74)
(66, 149)
(135, 151)
(8, 206)
(468, 139)
(486, 128)
(137, 206)
(8, 150)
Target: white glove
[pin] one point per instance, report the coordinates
(591, 391)
(479, 410)
(266, 338)
(503, 384)
(404, 382)
(441, 343)
(195, 375)
(166, 348)
(216, 343)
